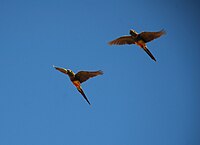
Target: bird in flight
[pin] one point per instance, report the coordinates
(139, 39)
(78, 78)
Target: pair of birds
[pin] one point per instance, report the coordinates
(134, 38)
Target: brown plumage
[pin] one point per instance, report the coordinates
(149, 36)
(138, 39)
(83, 76)
(123, 40)
(79, 78)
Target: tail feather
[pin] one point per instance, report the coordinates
(149, 53)
(83, 94)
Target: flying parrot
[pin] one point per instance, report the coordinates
(78, 78)
(139, 39)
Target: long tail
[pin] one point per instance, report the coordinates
(149, 53)
(83, 94)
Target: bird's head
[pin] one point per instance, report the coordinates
(133, 33)
(70, 72)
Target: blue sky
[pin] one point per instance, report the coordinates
(135, 102)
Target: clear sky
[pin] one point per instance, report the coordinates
(136, 102)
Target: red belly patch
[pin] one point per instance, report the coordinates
(76, 83)
(140, 43)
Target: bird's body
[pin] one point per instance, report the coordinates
(138, 39)
(140, 43)
(76, 83)
(79, 78)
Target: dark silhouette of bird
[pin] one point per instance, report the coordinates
(139, 39)
(78, 78)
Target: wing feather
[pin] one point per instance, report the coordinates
(83, 76)
(122, 40)
(149, 36)
(63, 70)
